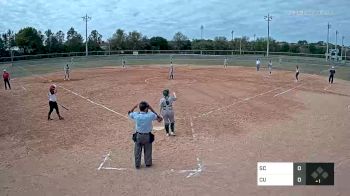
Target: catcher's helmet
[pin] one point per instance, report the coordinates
(166, 92)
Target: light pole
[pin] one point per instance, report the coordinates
(86, 18)
(268, 18)
(240, 46)
(327, 52)
(336, 42)
(202, 27)
(342, 46)
(232, 40)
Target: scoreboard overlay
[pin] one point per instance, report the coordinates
(290, 174)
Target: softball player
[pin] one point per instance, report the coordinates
(123, 63)
(53, 102)
(269, 65)
(166, 110)
(297, 73)
(66, 72)
(225, 62)
(171, 71)
(257, 64)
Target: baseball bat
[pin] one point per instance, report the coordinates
(63, 106)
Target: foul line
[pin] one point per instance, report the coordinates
(241, 101)
(89, 100)
(98, 104)
(287, 90)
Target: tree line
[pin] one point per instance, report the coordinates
(32, 41)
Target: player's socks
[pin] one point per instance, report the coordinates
(172, 127)
(166, 128)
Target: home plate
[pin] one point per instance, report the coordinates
(158, 128)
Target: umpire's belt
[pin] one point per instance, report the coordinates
(143, 133)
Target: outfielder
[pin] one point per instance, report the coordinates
(225, 62)
(66, 72)
(166, 110)
(53, 102)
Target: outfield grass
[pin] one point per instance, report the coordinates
(41, 66)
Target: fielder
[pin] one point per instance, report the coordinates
(269, 65)
(123, 63)
(66, 72)
(225, 62)
(257, 64)
(331, 75)
(171, 71)
(297, 73)
(53, 102)
(166, 110)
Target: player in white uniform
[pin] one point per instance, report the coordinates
(171, 71)
(66, 72)
(166, 110)
(225, 62)
(257, 64)
(123, 63)
(269, 65)
(297, 73)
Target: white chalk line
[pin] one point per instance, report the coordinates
(98, 104)
(286, 91)
(327, 87)
(237, 102)
(75, 93)
(104, 160)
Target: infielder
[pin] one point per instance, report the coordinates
(123, 63)
(171, 71)
(297, 73)
(331, 75)
(225, 62)
(257, 64)
(269, 65)
(166, 110)
(66, 72)
(53, 102)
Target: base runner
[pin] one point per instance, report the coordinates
(297, 73)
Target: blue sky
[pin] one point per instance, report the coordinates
(292, 20)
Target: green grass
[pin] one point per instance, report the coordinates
(42, 66)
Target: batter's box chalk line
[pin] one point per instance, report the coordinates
(189, 172)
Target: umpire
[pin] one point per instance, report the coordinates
(143, 137)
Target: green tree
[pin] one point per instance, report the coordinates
(134, 40)
(95, 40)
(30, 40)
(8, 39)
(159, 43)
(118, 40)
(74, 41)
(181, 42)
